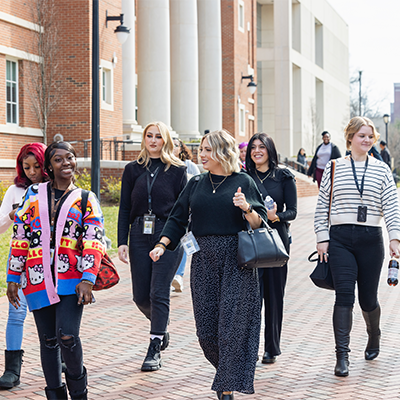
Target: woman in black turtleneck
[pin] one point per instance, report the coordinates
(150, 187)
(278, 183)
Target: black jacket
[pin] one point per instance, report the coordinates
(313, 167)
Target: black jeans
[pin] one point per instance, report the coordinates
(356, 254)
(151, 281)
(53, 323)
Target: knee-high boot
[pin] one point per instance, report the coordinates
(77, 387)
(342, 322)
(372, 319)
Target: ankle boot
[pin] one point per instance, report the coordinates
(77, 387)
(13, 362)
(342, 322)
(152, 362)
(56, 394)
(374, 333)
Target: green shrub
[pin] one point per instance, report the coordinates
(84, 180)
(112, 189)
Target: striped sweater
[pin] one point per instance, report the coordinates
(380, 196)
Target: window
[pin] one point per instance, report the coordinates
(241, 15)
(11, 92)
(242, 120)
(106, 85)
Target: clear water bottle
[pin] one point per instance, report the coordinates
(393, 272)
(269, 203)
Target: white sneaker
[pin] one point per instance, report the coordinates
(177, 283)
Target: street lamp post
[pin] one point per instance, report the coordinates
(386, 121)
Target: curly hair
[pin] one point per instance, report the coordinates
(184, 152)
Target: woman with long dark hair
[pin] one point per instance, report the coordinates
(55, 255)
(279, 184)
(30, 169)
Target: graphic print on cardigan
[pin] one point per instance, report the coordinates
(30, 260)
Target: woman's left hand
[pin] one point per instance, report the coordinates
(272, 213)
(84, 292)
(239, 200)
(394, 248)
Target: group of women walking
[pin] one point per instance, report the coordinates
(158, 207)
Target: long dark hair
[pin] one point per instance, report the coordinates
(271, 150)
(50, 151)
(184, 152)
(32, 149)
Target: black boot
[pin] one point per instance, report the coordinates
(342, 322)
(374, 333)
(56, 394)
(165, 341)
(152, 362)
(77, 387)
(13, 362)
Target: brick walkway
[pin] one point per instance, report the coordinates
(115, 340)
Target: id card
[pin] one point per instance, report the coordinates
(362, 214)
(149, 222)
(190, 244)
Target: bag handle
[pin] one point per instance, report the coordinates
(85, 196)
(250, 229)
(313, 259)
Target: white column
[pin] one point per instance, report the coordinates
(210, 65)
(130, 125)
(154, 87)
(283, 77)
(184, 68)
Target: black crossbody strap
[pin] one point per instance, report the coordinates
(85, 196)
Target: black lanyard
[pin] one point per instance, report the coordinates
(150, 185)
(360, 190)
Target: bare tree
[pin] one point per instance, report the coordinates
(43, 74)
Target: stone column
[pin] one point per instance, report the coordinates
(184, 69)
(283, 77)
(210, 65)
(154, 87)
(130, 125)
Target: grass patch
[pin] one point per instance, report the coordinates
(110, 224)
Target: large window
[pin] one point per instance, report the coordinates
(241, 16)
(12, 92)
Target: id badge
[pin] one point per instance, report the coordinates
(362, 214)
(189, 244)
(149, 222)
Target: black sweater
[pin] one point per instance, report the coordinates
(134, 199)
(212, 213)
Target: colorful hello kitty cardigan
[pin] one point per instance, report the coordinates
(30, 259)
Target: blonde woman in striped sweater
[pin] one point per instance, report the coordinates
(363, 193)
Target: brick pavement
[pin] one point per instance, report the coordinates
(115, 340)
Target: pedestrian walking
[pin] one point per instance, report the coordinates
(30, 170)
(363, 192)
(55, 273)
(226, 300)
(150, 187)
(325, 151)
(279, 185)
(302, 160)
(242, 153)
(385, 154)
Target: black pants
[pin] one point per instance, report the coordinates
(151, 281)
(356, 254)
(53, 323)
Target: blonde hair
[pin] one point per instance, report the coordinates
(167, 156)
(223, 150)
(354, 125)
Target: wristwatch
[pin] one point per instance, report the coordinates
(249, 210)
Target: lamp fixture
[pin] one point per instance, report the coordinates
(386, 118)
(121, 30)
(252, 86)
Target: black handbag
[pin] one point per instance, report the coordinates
(261, 248)
(321, 276)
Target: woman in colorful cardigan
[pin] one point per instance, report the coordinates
(55, 271)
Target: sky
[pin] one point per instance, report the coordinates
(374, 36)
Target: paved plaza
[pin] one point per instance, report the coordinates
(115, 339)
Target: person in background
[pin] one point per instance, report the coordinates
(242, 153)
(55, 272)
(302, 159)
(325, 151)
(184, 154)
(363, 193)
(278, 183)
(226, 298)
(150, 187)
(30, 169)
(385, 154)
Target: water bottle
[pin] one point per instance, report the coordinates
(393, 272)
(269, 203)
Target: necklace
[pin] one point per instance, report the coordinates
(215, 186)
(152, 173)
(262, 180)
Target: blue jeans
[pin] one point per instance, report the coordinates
(182, 265)
(151, 281)
(15, 324)
(54, 322)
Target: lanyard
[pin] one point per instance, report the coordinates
(360, 190)
(150, 185)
